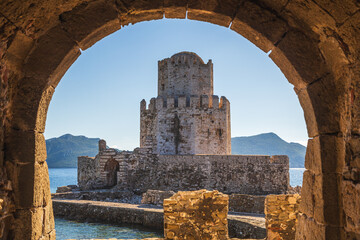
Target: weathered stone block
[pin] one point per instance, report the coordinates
(196, 215)
(25, 146)
(325, 154)
(51, 56)
(213, 11)
(299, 58)
(260, 26)
(90, 22)
(34, 223)
(28, 111)
(351, 205)
(175, 8)
(281, 216)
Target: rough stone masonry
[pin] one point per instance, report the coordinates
(184, 142)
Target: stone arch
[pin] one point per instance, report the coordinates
(314, 44)
(111, 168)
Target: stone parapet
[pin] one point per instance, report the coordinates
(196, 215)
(281, 216)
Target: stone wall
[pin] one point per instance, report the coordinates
(259, 175)
(246, 203)
(196, 215)
(88, 172)
(281, 212)
(186, 125)
(184, 73)
(140, 171)
(156, 197)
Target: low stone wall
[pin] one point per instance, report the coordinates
(140, 170)
(281, 216)
(196, 215)
(239, 225)
(108, 212)
(237, 202)
(105, 195)
(156, 197)
(246, 203)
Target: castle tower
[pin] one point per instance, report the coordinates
(185, 118)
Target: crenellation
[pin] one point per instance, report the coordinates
(194, 102)
(205, 103)
(215, 101)
(182, 101)
(170, 102)
(159, 103)
(142, 105)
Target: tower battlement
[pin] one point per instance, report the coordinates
(196, 102)
(185, 117)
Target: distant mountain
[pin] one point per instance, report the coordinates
(269, 144)
(63, 151)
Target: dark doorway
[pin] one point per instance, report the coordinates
(111, 168)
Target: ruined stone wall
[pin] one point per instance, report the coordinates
(148, 127)
(88, 172)
(185, 74)
(196, 215)
(257, 175)
(186, 125)
(141, 170)
(246, 203)
(281, 212)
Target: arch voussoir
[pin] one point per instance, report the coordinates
(91, 21)
(259, 25)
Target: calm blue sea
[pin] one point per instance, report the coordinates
(66, 229)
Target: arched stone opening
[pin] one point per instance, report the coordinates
(314, 44)
(111, 168)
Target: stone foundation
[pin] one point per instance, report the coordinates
(281, 216)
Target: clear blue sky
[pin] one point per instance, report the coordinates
(100, 94)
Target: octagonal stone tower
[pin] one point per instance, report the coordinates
(185, 118)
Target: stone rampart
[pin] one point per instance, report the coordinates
(257, 175)
(141, 171)
(281, 216)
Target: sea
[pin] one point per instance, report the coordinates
(66, 229)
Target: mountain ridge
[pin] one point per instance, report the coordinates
(63, 151)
